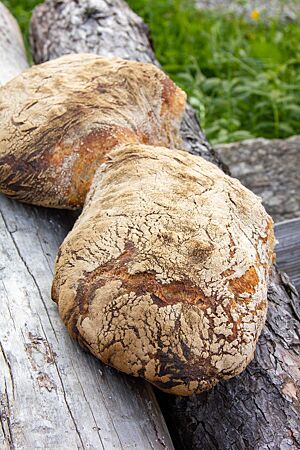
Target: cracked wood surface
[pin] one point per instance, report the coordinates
(52, 394)
(260, 408)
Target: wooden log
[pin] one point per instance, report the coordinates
(52, 394)
(257, 163)
(12, 51)
(288, 249)
(260, 409)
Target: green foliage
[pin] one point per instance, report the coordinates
(242, 76)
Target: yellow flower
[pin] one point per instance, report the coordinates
(255, 14)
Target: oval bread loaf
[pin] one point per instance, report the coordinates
(59, 120)
(164, 275)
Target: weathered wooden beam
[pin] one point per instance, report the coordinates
(269, 168)
(288, 249)
(52, 394)
(260, 408)
(12, 51)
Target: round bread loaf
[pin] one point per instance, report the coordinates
(164, 275)
(59, 120)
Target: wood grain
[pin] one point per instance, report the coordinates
(288, 249)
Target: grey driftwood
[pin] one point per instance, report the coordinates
(270, 168)
(52, 394)
(12, 51)
(259, 409)
(288, 249)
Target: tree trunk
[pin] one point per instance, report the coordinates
(12, 51)
(52, 394)
(260, 409)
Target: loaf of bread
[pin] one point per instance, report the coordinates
(164, 275)
(61, 118)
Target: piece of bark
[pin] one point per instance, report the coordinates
(52, 394)
(12, 51)
(270, 168)
(259, 409)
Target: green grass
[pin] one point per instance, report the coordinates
(241, 76)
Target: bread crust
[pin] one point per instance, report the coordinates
(164, 275)
(59, 119)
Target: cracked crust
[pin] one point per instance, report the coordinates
(61, 118)
(164, 275)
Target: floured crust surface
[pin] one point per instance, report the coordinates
(59, 119)
(164, 275)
